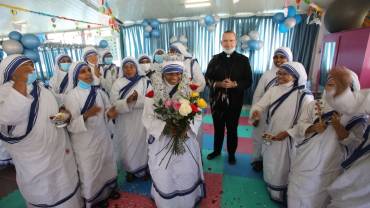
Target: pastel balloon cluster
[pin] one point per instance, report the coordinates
(151, 28)
(288, 21)
(103, 44)
(209, 21)
(251, 41)
(26, 44)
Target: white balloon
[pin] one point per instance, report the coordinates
(202, 22)
(211, 28)
(245, 38)
(148, 28)
(173, 39)
(12, 47)
(260, 44)
(254, 35)
(216, 18)
(183, 39)
(244, 46)
(290, 22)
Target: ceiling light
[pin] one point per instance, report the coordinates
(235, 1)
(195, 1)
(197, 5)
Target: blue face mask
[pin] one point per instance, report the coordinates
(108, 60)
(31, 77)
(65, 66)
(84, 85)
(158, 58)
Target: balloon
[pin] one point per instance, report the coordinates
(283, 28)
(244, 46)
(211, 28)
(290, 22)
(298, 18)
(216, 18)
(103, 44)
(291, 11)
(209, 20)
(202, 22)
(145, 23)
(346, 14)
(156, 33)
(183, 39)
(30, 41)
(146, 34)
(245, 38)
(12, 47)
(260, 44)
(148, 28)
(154, 23)
(278, 18)
(173, 39)
(254, 35)
(32, 54)
(14, 35)
(253, 44)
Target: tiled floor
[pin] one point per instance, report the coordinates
(226, 186)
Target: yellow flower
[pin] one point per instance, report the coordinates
(201, 103)
(194, 94)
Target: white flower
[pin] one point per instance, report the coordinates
(185, 109)
(184, 101)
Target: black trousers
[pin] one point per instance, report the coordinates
(228, 118)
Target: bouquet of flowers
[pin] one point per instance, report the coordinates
(178, 113)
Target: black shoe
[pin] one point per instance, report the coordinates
(212, 155)
(232, 160)
(114, 195)
(257, 166)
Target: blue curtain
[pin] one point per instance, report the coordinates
(203, 44)
(45, 67)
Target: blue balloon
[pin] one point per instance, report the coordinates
(291, 11)
(278, 18)
(156, 33)
(146, 34)
(32, 54)
(298, 18)
(30, 41)
(154, 23)
(145, 23)
(103, 44)
(14, 35)
(209, 20)
(253, 44)
(283, 28)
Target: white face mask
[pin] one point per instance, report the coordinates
(229, 51)
(145, 67)
(344, 103)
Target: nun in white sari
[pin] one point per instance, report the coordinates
(109, 71)
(42, 155)
(91, 57)
(319, 154)
(59, 81)
(268, 79)
(178, 180)
(282, 103)
(91, 111)
(128, 94)
(352, 187)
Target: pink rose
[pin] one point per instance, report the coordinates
(168, 103)
(176, 105)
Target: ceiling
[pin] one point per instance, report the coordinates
(125, 10)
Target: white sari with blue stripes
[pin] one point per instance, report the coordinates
(276, 155)
(92, 145)
(43, 158)
(130, 138)
(178, 180)
(317, 157)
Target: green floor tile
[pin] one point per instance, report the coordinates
(241, 192)
(245, 131)
(245, 112)
(213, 166)
(13, 200)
